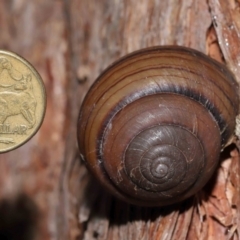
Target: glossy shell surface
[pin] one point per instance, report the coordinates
(153, 124)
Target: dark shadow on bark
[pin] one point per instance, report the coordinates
(18, 218)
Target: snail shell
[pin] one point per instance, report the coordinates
(152, 126)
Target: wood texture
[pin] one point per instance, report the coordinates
(70, 42)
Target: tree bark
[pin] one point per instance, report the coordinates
(70, 42)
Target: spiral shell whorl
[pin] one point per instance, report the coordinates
(164, 163)
(169, 126)
(153, 124)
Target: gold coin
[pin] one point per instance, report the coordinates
(22, 101)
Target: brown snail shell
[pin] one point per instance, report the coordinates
(152, 126)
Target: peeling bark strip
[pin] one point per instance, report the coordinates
(70, 42)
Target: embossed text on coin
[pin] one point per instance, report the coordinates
(22, 101)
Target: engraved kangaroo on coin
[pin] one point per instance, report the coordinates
(22, 101)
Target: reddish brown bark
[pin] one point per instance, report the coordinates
(70, 43)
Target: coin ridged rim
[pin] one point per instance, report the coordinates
(43, 91)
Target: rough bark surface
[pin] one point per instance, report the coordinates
(43, 185)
